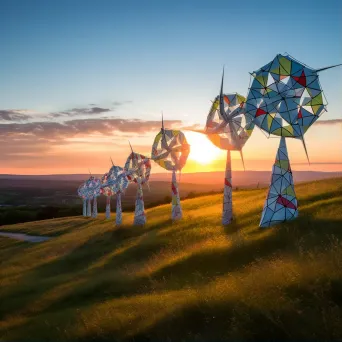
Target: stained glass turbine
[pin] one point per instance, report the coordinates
(118, 182)
(228, 127)
(285, 98)
(170, 150)
(138, 169)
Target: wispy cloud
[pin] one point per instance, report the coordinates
(198, 128)
(67, 129)
(121, 103)
(108, 126)
(35, 140)
(93, 110)
(13, 115)
(328, 122)
(80, 111)
(319, 163)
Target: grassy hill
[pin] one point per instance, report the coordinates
(191, 280)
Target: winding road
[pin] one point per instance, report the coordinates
(25, 237)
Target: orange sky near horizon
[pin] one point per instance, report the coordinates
(93, 152)
(81, 78)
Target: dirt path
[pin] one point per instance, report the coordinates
(24, 237)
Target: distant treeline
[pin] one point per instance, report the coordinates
(13, 215)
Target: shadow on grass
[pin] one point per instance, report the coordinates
(240, 321)
(126, 231)
(207, 264)
(192, 271)
(200, 268)
(56, 226)
(306, 317)
(200, 322)
(203, 267)
(11, 247)
(76, 264)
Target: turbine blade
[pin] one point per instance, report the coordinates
(329, 67)
(221, 91)
(222, 112)
(306, 151)
(130, 146)
(243, 162)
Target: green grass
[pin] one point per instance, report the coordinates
(192, 280)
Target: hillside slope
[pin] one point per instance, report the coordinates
(192, 280)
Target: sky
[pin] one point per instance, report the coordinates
(81, 78)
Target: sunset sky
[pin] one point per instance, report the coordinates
(80, 78)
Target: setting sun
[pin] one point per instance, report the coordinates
(201, 149)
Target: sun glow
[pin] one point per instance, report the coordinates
(201, 149)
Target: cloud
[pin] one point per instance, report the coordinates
(39, 142)
(22, 115)
(80, 111)
(50, 130)
(18, 147)
(319, 163)
(328, 122)
(108, 126)
(198, 128)
(67, 129)
(97, 110)
(121, 103)
(13, 115)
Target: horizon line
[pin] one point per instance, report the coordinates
(157, 173)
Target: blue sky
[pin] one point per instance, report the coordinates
(158, 55)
